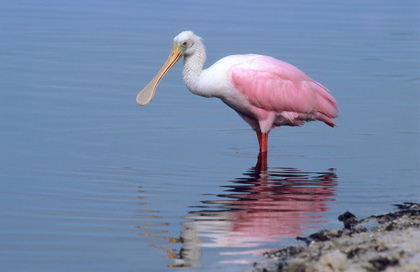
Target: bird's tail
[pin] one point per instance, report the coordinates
(326, 105)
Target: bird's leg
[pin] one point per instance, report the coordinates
(262, 156)
(262, 164)
(259, 136)
(262, 141)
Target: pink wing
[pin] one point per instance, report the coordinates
(276, 86)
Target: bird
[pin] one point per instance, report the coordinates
(266, 92)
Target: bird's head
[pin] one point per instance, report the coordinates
(183, 46)
(186, 41)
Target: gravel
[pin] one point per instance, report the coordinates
(389, 242)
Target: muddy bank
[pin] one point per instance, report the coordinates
(389, 242)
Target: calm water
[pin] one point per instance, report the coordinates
(93, 182)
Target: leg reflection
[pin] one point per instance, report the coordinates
(259, 207)
(262, 162)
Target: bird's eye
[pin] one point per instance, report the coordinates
(185, 43)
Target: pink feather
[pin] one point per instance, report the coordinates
(275, 87)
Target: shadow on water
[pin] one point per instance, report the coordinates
(260, 207)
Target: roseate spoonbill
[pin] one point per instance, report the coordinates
(264, 91)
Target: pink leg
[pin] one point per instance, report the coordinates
(262, 164)
(259, 136)
(262, 141)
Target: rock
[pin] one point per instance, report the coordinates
(348, 219)
(393, 245)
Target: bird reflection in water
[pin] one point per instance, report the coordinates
(261, 207)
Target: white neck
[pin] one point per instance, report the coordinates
(193, 69)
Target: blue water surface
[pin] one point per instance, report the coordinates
(93, 182)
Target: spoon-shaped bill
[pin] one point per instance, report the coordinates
(148, 92)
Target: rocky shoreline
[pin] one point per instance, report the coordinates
(389, 242)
